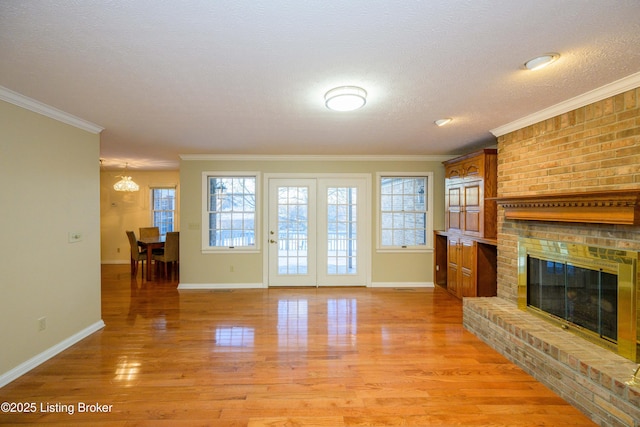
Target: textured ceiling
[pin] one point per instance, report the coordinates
(248, 77)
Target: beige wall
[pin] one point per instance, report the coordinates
(49, 183)
(198, 268)
(122, 211)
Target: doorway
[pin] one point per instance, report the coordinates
(318, 231)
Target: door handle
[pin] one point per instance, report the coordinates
(273, 241)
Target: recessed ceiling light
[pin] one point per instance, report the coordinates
(345, 98)
(541, 61)
(442, 122)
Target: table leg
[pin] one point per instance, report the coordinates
(149, 256)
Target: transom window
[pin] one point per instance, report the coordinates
(404, 217)
(230, 212)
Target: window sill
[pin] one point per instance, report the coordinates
(227, 251)
(404, 250)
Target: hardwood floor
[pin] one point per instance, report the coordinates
(282, 357)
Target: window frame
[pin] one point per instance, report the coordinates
(152, 189)
(428, 246)
(206, 248)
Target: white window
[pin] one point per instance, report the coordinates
(230, 211)
(405, 219)
(163, 208)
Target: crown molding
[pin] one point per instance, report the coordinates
(315, 157)
(38, 107)
(606, 91)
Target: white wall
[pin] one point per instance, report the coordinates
(49, 187)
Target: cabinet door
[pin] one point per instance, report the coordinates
(454, 206)
(473, 207)
(453, 266)
(467, 268)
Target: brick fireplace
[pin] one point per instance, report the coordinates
(595, 148)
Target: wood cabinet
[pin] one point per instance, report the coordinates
(471, 267)
(469, 181)
(466, 253)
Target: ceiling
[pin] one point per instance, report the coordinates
(248, 76)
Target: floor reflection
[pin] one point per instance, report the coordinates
(234, 336)
(127, 371)
(293, 323)
(342, 322)
(156, 302)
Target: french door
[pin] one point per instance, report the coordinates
(317, 232)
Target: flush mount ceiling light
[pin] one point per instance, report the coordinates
(442, 122)
(125, 183)
(541, 61)
(345, 98)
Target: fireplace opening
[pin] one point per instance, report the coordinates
(584, 297)
(588, 290)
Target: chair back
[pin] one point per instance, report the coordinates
(172, 246)
(133, 242)
(146, 232)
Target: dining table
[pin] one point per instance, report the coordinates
(149, 244)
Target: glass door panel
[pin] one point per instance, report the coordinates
(292, 232)
(342, 230)
(341, 224)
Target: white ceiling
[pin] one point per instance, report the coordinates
(167, 77)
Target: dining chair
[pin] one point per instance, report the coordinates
(137, 256)
(171, 254)
(146, 232)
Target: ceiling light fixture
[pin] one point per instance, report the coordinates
(345, 98)
(442, 122)
(125, 183)
(541, 61)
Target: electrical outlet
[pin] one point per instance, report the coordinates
(42, 323)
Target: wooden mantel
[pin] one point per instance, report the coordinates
(602, 207)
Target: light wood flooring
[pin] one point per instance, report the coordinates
(283, 357)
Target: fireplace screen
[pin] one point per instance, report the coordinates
(590, 291)
(585, 297)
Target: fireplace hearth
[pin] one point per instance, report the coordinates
(590, 291)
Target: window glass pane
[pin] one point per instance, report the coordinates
(403, 211)
(163, 203)
(231, 211)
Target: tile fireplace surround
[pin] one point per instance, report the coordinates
(592, 148)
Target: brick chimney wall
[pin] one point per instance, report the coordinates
(592, 148)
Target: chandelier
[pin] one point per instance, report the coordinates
(125, 183)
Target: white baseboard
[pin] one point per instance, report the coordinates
(25, 367)
(402, 285)
(226, 286)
